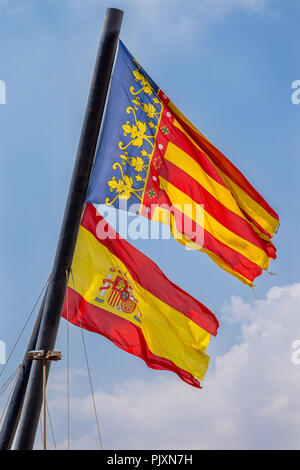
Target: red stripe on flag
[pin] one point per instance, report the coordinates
(121, 332)
(150, 277)
(226, 217)
(228, 168)
(178, 138)
(236, 261)
(232, 258)
(264, 232)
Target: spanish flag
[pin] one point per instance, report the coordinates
(118, 292)
(151, 157)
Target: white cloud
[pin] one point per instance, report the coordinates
(249, 401)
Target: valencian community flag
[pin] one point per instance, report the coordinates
(116, 291)
(152, 157)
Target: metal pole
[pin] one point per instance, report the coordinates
(71, 221)
(13, 413)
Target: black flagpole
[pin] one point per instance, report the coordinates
(71, 222)
(13, 413)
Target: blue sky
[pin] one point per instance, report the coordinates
(228, 65)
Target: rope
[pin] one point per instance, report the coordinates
(91, 387)
(51, 427)
(88, 369)
(26, 323)
(6, 384)
(68, 367)
(41, 429)
(254, 293)
(8, 398)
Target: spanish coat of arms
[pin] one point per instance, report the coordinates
(117, 291)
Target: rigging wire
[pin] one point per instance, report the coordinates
(91, 387)
(88, 369)
(6, 384)
(8, 398)
(41, 429)
(68, 365)
(51, 426)
(26, 323)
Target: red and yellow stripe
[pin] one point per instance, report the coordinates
(174, 328)
(187, 170)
